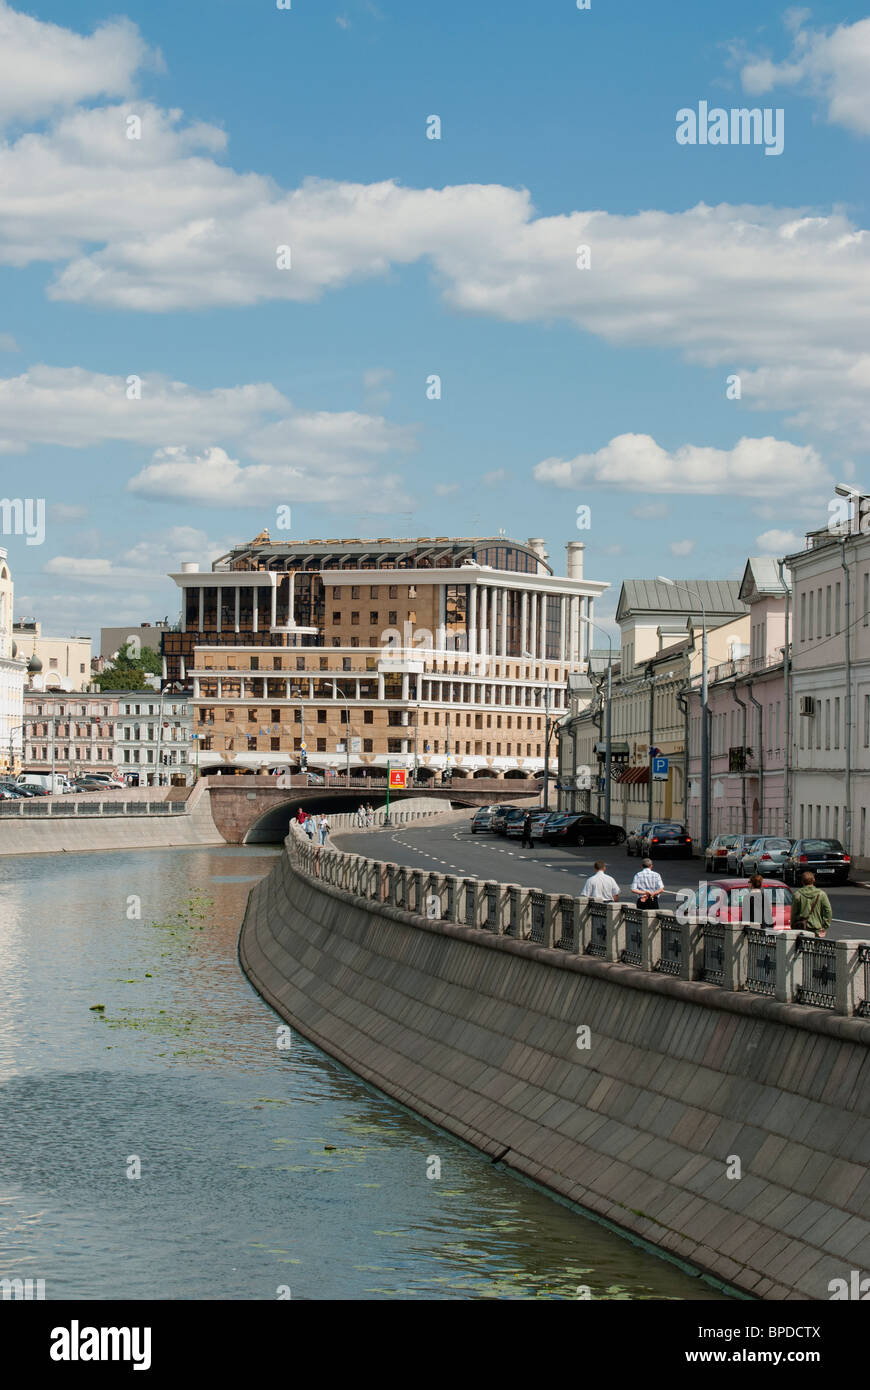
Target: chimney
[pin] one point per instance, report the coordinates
(574, 551)
(536, 543)
(190, 567)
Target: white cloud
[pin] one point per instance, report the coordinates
(680, 548)
(67, 511)
(314, 456)
(150, 560)
(44, 67)
(446, 489)
(832, 65)
(636, 461)
(778, 542)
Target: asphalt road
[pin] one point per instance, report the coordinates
(455, 850)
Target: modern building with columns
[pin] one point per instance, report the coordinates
(439, 653)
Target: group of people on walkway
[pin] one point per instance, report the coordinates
(810, 906)
(313, 825)
(365, 815)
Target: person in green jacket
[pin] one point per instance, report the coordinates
(810, 907)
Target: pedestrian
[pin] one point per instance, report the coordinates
(301, 816)
(646, 886)
(308, 827)
(810, 907)
(361, 815)
(527, 831)
(600, 885)
(323, 828)
(370, 814)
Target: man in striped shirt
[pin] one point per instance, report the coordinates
(646, 886)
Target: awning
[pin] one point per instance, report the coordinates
(634, 774)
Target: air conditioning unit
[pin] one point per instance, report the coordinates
(806, 704)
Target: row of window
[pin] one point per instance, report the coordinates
(821, 617)
(255, 743)
(339, 592)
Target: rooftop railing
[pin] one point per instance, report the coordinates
(787, 966)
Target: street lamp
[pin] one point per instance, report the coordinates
(336, 693)
(296, 694)
(608, 714)
(705, 736)
(528, 656)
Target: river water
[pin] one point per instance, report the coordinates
(261, 1169)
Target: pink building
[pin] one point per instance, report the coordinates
(747, 711)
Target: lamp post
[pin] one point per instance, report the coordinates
(608, 714)
(528, 657)
(336, 694)
(296, 693)
(705, 735)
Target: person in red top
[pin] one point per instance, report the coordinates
(301, 816)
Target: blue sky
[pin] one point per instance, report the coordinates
(306, 386)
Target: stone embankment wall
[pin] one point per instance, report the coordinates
(645, 1119)
(75, 834)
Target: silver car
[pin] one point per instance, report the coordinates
(736, 850)
(766, 856)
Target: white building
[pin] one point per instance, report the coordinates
(66, 661)
(154, 736)
(12, 673)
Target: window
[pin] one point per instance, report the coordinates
(394, 591)
(345, 663)
(336, 618)
(354, 618)
(393, 617)
(300, 663)
(336, 592)
(394, 745)
(373, 591)
(368, 716)
(255, 663)
(354, 591)
(324, 663)
(810, 631)
(321, 745)
(368, 745)
(866, 597)
(827, 610)
(275, 716)
(373, 618)
(837, 607)
(867, 721)
(321, 716)
(274, 744)
(837, 722)
(827, 723)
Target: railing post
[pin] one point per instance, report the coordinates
(507, 896)
(735, 956)
(453, 906)
(849, 984)
(614, 931)
(788, 966)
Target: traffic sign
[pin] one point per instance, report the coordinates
(303, 745)
(398, 777)
(660, 769)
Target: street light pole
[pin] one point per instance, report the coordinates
(336, 692)
(705, 733)
(608, 741)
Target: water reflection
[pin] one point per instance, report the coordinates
(259, 1167)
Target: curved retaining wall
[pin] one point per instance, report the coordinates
(75, 834)
(478, 1033)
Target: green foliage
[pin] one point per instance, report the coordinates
(127, 672)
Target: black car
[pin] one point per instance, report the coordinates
(581, 828)
(825, 858)
(666, 837)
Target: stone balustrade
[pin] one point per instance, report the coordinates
(789, 966)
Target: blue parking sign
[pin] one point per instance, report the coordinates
(660, 769)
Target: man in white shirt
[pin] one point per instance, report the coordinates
(646, 886)
(600, 885)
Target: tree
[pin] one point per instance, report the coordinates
(151, 661)
(127, 672)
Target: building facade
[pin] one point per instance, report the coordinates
(154, 736)
(659, 661)
(112, 639)
(438, 655)
(72, 734)
(66, 661)
(12, 677)
(747, 715)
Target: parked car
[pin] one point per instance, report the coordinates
(582, 828)
(765, 855)
(825, 858)
(499, 818)
(716, 853)
(542, 822)
(49, 782)
(482, 819)
(513, 821)
(736, 852)
(634, 837)
(315, 780)
(667, 837)
(735, 906)
(18, 793)
(514, 826)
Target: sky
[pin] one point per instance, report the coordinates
(237, 276)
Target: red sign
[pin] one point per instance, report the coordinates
(398, 777)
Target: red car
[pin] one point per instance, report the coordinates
(727, 900)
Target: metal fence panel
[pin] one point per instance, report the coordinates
(820, 968)
(632, 951)
(714, 954)
(760, 962)
(671, 938)
(597, 944)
